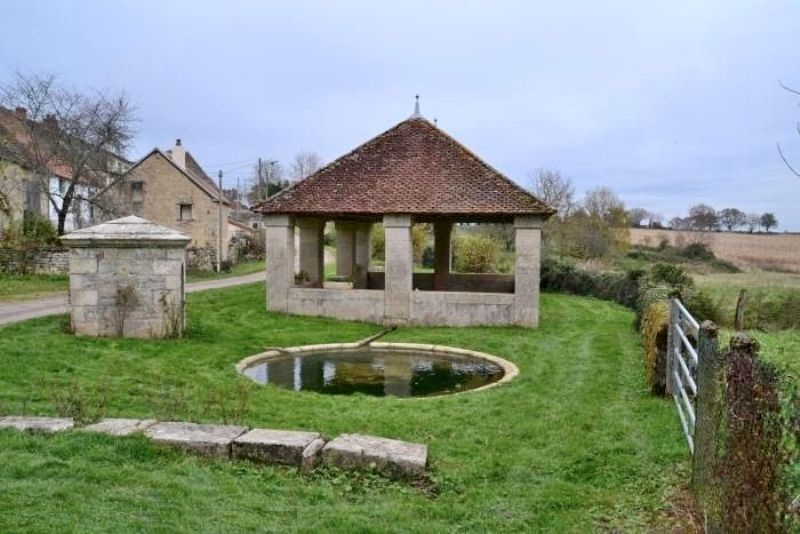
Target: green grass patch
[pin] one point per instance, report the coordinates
(29, 286)
(238, 269)
(575, 443)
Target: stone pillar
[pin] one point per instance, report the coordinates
(280, 261)
(127, 279)
(399, 268)
(442, 230)
(312, 250)
(345, 248)
(363, 254)
(528, 243)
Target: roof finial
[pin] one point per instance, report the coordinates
(417, 114)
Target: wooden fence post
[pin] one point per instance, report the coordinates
(711, 369)
(672, 342)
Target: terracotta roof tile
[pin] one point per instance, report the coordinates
(413, 168)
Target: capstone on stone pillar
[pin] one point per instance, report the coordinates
(345, 248)
(528, 245)
(442, 230)
(279, 231)
(398, 268)
(127, 279)
(312, 250)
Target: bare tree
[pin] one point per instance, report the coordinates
(553, 189)
(272, 178)
(604, 203)
(71, 135)
(304, 164)
(637, 216)
(753, 222)
(703, 217)
(797, 126)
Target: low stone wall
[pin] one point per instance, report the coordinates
(445, 308)
(349, 304)
(449, 308)
(35, 261)
(475, 283)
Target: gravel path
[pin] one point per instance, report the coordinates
(14, 311)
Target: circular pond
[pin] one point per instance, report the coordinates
(379, 369)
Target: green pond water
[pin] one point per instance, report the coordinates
(379, 373)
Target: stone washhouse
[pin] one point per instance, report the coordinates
(412, 173)
(127, 279)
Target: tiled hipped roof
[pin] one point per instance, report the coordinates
(413, 168)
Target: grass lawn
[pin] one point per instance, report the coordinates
(574, 444)
(239, 269)
(31, 286)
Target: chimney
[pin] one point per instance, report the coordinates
(179, 155)
(21, 114)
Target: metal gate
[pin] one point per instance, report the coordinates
(682, 361)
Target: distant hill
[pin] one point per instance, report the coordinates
(771, 252)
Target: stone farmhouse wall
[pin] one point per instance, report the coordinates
(164, 190)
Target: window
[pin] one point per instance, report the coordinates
(185, 212)
(137, 192)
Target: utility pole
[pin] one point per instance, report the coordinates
(238, 198)
(219, 231)
(262, 195)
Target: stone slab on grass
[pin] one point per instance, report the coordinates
(312, 455)
(392, 457)
(266, 446)
(208, 440)
(37, 424)
(120, 427)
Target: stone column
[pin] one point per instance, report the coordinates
(399, 269)
(442, 230)
(345, 248)
(362, 254)
(528, 243)
(312, 250)
(280, 260)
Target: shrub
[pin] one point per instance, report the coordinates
(654, 328)
(670, 274)
(476, 254)
(378, 238)
(427, 257)
(697, 252)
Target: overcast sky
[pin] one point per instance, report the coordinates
(669, 103)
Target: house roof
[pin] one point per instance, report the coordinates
(413, 168)
(193, 172)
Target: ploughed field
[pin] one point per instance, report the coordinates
(575, 443)
(772, 252)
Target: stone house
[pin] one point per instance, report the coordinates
(412, 173)
(22, 191)
(172, 189)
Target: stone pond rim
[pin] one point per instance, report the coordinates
(510, 370)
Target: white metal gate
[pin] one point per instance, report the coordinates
(682, 360)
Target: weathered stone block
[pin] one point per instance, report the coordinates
(37, 424)
(120, 427)
(208, 440)
(312, 455)
(394, 457)
(273, 446)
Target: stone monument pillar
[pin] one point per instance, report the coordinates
(127, 279)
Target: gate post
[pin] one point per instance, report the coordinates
(709, 405)
(672, 342)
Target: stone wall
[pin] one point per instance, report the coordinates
(475, 283)
(448, 308)
(348, 304)
(131, 292)
(36, 261)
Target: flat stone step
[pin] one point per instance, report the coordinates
(37, 424)
(285, 447)
(120, 427)
(391, 456)
(208, 440)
